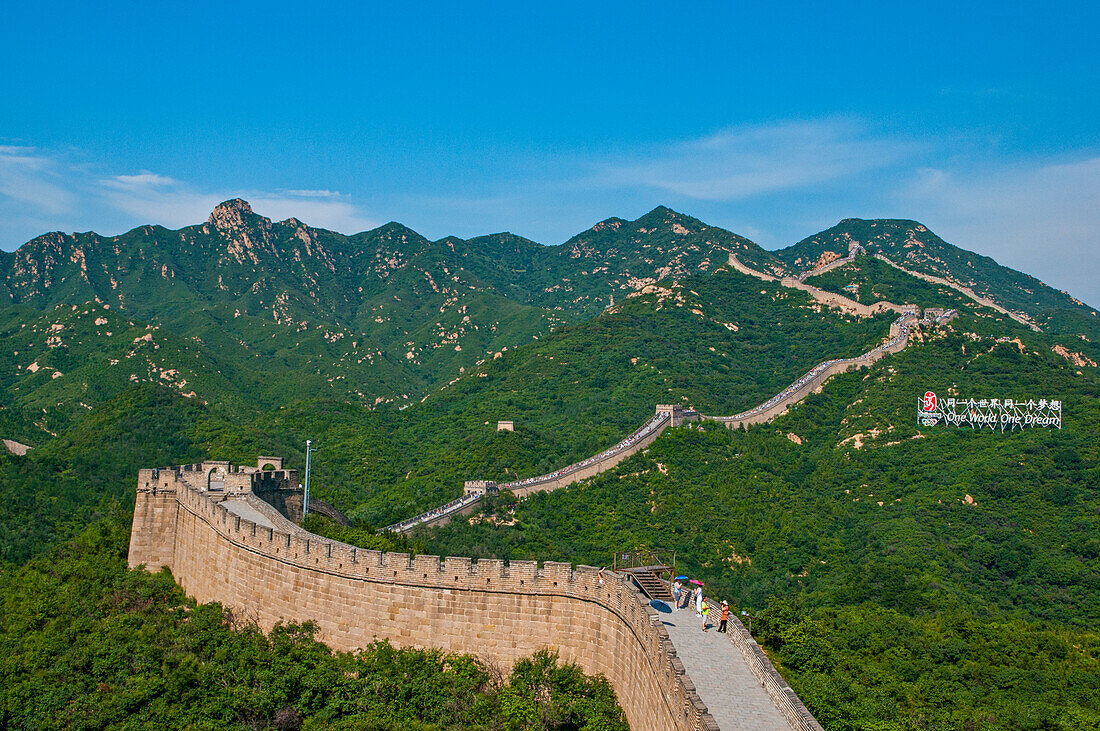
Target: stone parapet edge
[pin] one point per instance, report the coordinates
(781, 693)
(428, 572)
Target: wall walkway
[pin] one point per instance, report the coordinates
(985, 301)
(500, 612)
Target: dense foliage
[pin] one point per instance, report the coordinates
(901, 578)
(929, 539)
(870, 280)
(88, 644)
(913, 246)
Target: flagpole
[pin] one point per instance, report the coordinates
(305, 493)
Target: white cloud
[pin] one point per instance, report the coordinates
(312, 193)
(151, 198)
(42, 191)
(749, 161)
(30, 178)
(334, 215)
(141, 180)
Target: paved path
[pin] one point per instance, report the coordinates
(722, 677)
(246, 511)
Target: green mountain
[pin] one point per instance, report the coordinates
(914, 247)
(901, 577)
(269, 312)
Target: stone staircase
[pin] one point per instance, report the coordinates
(647, 579)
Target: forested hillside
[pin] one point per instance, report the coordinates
(906, 577)
(911, 245)
(88, 644)
(901, 577)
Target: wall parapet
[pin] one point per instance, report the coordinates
(780, 691)
(474, 490)
(603, 622)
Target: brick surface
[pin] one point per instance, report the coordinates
(722, 677)
(253, 563)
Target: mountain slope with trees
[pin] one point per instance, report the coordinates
(913, 246)
(902, 578)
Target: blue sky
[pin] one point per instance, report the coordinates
(541, 119)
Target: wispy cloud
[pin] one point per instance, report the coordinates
(312, 193)
(335, 215)
(31, 178)
(139, 181)
(42, 191)
(745, 162)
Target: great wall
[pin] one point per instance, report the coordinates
(224, 532)
(223, 541)
(675, 414)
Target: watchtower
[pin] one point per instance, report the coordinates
(480, 487)
(674, 411)
(269, 463)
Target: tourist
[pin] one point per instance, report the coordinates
(677, 589)
(699, 601)
(599, 574)
(705, 612)
(725, 616)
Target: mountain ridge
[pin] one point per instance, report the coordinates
(385, 315)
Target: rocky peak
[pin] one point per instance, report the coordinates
(246, 231)
(235, 214)
(664, 218)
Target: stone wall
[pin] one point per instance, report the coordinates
(500, 612)
(829, 299)
(781, 693)
(288, 501)
(967, 291)
(474, 489)
(815, 383)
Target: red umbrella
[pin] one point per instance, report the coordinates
(696, 581)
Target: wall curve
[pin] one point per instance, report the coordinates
(500, 612)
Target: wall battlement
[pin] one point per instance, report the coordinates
(499, 611)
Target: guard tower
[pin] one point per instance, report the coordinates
(480, 487)
(674, 411)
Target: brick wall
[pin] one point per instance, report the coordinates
(500, 612)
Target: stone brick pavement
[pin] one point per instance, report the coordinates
(248, 512)
(722, 677)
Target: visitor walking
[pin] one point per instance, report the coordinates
(698, 601)
(677, 588)
(725, 616)
(705, 612)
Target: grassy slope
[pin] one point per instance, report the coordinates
(913, 246)
(575, 392)
(1077, 329)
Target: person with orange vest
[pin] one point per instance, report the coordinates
(725, 616)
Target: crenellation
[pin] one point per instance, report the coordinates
(561, 574)
(460, 568)
(524, 573)
(500, 611)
